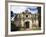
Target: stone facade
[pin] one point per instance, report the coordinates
(26, 20)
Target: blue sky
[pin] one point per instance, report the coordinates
(20, 9)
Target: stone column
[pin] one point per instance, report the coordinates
(22, 20)
(30, 24)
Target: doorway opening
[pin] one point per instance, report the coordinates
(27, 24)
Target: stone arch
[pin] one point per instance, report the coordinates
(29, 22)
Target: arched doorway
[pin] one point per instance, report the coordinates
(27, 24)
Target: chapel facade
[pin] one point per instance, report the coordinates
(26, 20)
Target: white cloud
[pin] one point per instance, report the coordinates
(33, 11)
(20, 9)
